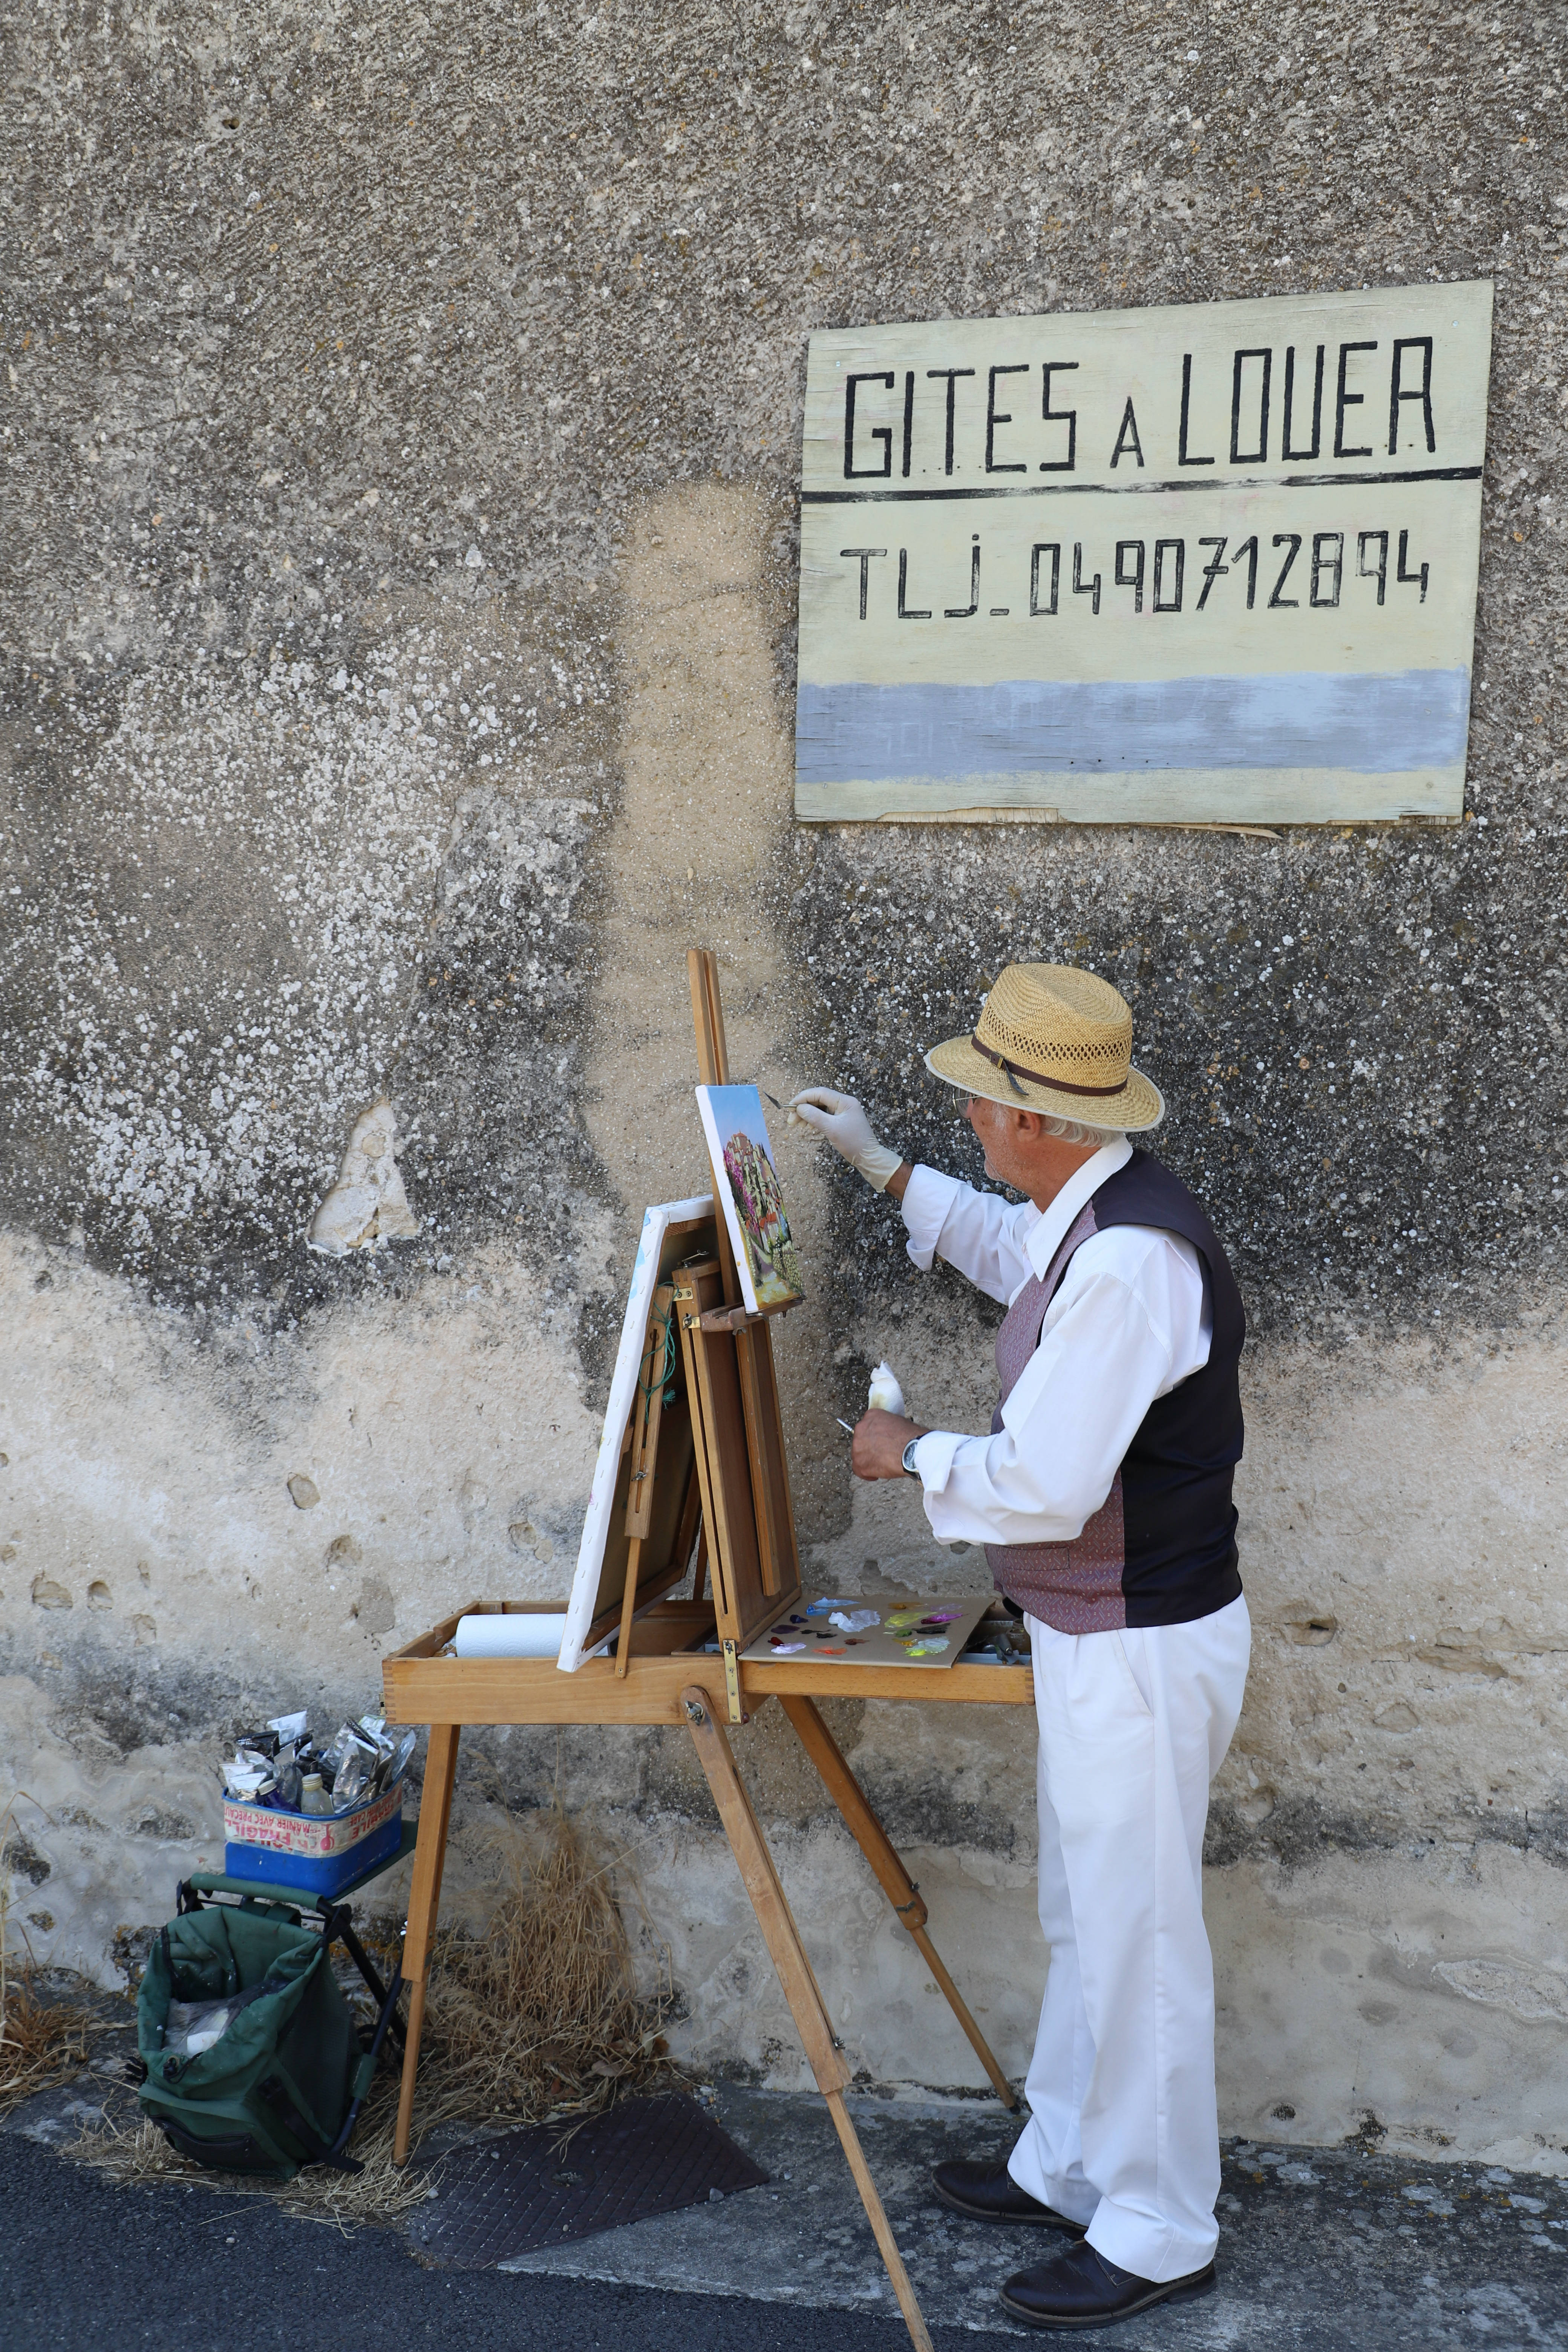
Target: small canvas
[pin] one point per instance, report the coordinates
(744, 1177)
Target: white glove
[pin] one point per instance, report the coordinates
(839, 1120)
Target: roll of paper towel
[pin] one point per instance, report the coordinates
(523, 1634)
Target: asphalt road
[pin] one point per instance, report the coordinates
(1320, 2250)
(85, 2267)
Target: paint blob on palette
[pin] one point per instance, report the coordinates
(868, 1629)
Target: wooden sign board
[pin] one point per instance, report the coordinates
(1202, 565)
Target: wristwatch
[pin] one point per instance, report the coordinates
(909, 1458)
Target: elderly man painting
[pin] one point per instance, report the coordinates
(1102, 1495)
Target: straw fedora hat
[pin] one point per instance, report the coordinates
(1054, 1039)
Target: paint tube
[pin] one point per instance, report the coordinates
(355, 1762)
(291, 1781)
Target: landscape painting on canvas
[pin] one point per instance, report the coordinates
(765, 1254)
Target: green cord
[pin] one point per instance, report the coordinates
(665, 1377)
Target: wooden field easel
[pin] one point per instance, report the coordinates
(703, 1473)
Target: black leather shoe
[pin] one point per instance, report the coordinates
(1081, 2289)
(988, 2192)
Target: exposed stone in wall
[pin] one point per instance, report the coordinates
(402, 420)
(368, 1205)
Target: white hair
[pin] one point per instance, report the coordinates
(1074, 1130)
(1067, 1131)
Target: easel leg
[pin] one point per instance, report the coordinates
(628, 1606)
(424, 1902)
(896, 1883)
(801, 1991)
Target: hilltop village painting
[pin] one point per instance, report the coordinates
(765, 1253)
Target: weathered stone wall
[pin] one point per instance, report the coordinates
(400, 423)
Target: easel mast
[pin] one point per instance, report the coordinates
(772, 1509)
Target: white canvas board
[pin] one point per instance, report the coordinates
(747, 1184)
(582, 1607)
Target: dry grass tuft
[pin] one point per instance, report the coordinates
(42, 2042)
(137, 2155)
(542, 2020)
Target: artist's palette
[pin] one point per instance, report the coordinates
(869, 1629)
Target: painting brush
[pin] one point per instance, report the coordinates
(793, 1118)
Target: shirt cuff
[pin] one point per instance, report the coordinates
(928, 1197)
(934, 1455)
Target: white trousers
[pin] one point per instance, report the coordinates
(1123, 2130)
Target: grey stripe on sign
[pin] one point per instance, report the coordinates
(1371, 722)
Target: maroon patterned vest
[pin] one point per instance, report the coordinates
(1160, 1550)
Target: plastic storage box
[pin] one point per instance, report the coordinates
(320, 1854)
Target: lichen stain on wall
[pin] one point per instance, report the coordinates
(251, 898)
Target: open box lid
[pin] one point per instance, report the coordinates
(695, 1411)
(671, 1231)
(741, 1472)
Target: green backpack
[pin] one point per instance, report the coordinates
(281, 2085)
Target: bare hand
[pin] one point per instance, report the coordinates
(877, 1450)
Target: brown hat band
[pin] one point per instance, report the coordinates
(1015, 1070)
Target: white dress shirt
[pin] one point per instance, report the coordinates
(1127, 1323)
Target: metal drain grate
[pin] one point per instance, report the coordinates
(515, 2194)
